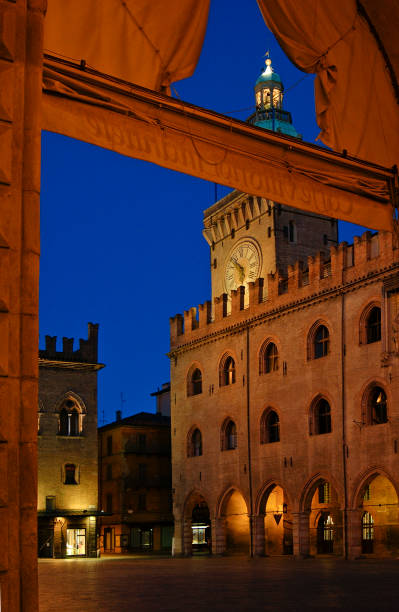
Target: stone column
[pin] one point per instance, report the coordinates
(259, 535)
(218, 536)
(21, 49)
(177, 549)
(187, 538)
(354, 518)
(301, 534)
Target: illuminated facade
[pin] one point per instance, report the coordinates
(135, 481)
(67, 442)
(285, 411)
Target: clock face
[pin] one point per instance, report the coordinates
(242, 265)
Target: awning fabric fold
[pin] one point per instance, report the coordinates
(148, 43)
(355, 97)
(147, 125)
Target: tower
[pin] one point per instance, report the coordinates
(251, 237)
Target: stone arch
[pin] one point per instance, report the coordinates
(274, 520)
(197, 532)
(233, 510)
(70, 410)
(376, 496)
(270, 340)
(314, 425)
(322, 516)
(80, 404)
(365, 394)
(227, 374)
(194, 447)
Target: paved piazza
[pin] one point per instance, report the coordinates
(217, 584)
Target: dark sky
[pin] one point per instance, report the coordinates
(121, 239)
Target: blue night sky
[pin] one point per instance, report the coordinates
(121, 238)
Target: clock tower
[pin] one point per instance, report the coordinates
(251, 237)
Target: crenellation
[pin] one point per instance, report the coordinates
(86, 353)
(323, 271)
(220, 307)
(204, 314)
(237, 300)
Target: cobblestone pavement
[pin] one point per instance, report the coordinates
(217, 584)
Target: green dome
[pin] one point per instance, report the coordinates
(267, 77)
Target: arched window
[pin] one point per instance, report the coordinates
(229, 436)
(270, 427)
(227, 371)
(194, 382)
(321, 342)
(271, 358)
(69, 419)
(70, 471)
(321, 417)
(195, 443)
(373, 325)
(377, 406)
(367, 533)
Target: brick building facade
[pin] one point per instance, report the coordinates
(67, 445)
(135, 481)
(285, 387)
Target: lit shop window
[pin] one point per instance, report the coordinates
(76, 542)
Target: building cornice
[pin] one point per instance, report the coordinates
(69, 365)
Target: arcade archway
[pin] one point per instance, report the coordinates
(234, 511)
(277, 522)
(378, 517)
(325, 519)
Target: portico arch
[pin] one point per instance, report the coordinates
(233, 509)
(321, 515)
(196, 525)
(375, 528)
(274, 515)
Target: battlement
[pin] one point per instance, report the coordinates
(324, 271)
(86, 353)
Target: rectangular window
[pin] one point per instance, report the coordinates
(109, 471)
(109, 502)
(50, 503)
(109, 445)
(142, 502)
(76, 542)
(142, 472)
(142, 442)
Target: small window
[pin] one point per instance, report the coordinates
(229, 436)
(377, 407)
(321, 342)
(70, 474)
(321, 418)
(292, 232)
(367, 533)
(50, 503)
(373, 325)
(109, 445)
(195, 444)
(227, 371)
(270, 427)
(109, 471)
(366, 494)
(194, 386)
(109, 503)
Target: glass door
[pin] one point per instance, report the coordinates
(76, 542)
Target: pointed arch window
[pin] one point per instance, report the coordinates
(227, 371)
(196, 381)
(268, 358)
(320, 422)
(373, 325)
(377, 407)
(229, 436)
(270, 427)
(321, 342)
(69, 419)
(194, 448)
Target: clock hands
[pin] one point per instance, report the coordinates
(240, 269)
